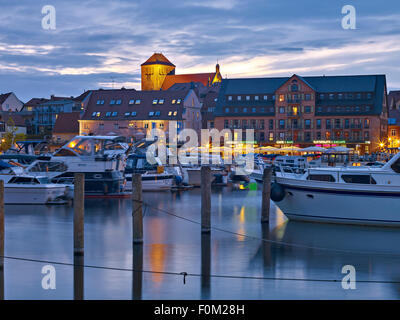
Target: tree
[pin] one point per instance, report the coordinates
(10, 136)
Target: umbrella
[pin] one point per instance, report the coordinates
(339, 149)
(313, 149)
(290, 149)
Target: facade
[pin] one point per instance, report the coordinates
(10, 121)
(10, 102)
(46, 112)
(394, 100)
(393, 140)
(304, 111)
(132, 113)
(158, 73)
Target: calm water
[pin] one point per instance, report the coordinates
(310, 251)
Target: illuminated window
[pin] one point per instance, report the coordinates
(173, 101)
(94, 114)
(229, 98)
(119, 101)
(132, 101)
(226, 110)
(175, 113)
(108, 114)
(98, 102)
(127, 114)
(178, 101)
(170, 113)
(133, 113)
(112, 102)
(151, 113)
(98, 114)
(115, 113)
(281, 98)
(265, 97)
(161, 101)
(157, 113)
(247, 98)
(239, 98)
(155, 101)
(244, 110)
(331, 96)
(256, 98)
(137, 101)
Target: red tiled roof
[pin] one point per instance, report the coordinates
(142, 110)
(67, 123)
(204, 78)
(158, 58)
(19, 121)
(35, 102)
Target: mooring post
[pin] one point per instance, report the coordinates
(266, 194)
(205, 199)
(1, 240)
(79, 278)
(79, 212)
(137, 274)
(137, 209)
(205, 265)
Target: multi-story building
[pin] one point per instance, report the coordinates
(303, 111)
(133, 113)
(393, 140)
(10, 102)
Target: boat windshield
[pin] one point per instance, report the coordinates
(396, 166)
(51, 166)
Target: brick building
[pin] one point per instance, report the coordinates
(393, 140)
(303, 111)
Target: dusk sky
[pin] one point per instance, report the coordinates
(98, 42)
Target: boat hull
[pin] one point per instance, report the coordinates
(360, 205)
(53, 194)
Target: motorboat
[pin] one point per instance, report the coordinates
(101, 158)
(155, 177)
(352, 195)
(35, 190)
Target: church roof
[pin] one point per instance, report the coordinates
(204, 78)
(158, 58)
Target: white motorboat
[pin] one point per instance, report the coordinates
(354, 195)
(35, 190)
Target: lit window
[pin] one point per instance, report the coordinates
(170, 113)
(216, 99)
(157, 113)
(132, 101)
(161, 101)
(229, 98)
(253, 110)
(98, 114)
(119, 101)
(137, 101)
(112, 102)
(281, 98)
(178, 101)
(108, 114)
(173, 101)
(226, 110)
(98, 102)
(331, 96)
(256, 98)
(127, 114)
(247, 98)
(94, 114)
(265, 97)
(151, 113)
(175, 113)
(155, 101)
(102, 101)
(114, 114)
(133, 113)
(239, 98)
(244, 110)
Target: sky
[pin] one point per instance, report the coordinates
(101, 44)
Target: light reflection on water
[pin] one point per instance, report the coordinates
(175, 245)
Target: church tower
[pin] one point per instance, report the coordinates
(154, 71)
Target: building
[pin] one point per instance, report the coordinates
(133, 113)
(10, 102)
(393, 140)
(394, 100)
(66, 127)
(46, 112)
(158, 73)
(303, 111)
(12, 122)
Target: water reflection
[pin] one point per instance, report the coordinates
(205, 265)
(137, 275)
(79, 278)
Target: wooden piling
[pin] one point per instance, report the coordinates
(266, 194)
(2, 230)
(137, 274)
(79, 279)
(137, 209)
(79, 213)
(205, 265)
(205, 199)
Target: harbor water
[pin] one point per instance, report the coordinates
(241, 259)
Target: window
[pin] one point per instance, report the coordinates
(307, 96)
(119, 101)
(108, 114)
(361, 179)
(155, 101)
(319, 135)
(170, 113)
(94, 114)
(253, 110)
(151, 113)
(321, 177)
(226, 110)
(161, 101)
(294, 87)
(322, 96)
(366, 123)
(307, 124)
(367, 108)
(229, 98)
(175, 113)
(248, 98)
(112, 102)
(271, 124)
(256, 98)
(396, 166)
(271, 136)
(282, 110)
(173, 101)
(98, 114)
(281, 98)
(358, 95)
(115, 113)
(331, 96)
(337, 123)
(328, 123)
(244, 110)
(137, 101)
(340, 96)
(281, 124)
(239, 98)
(307, 109)
(132, 101)
(366, 135)
(133, 113)
(157, 113)
(236, 110)
(100, 102)
(369, 95)
(265, 97)
(349, 96)
(178, 101)
(127, 114)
